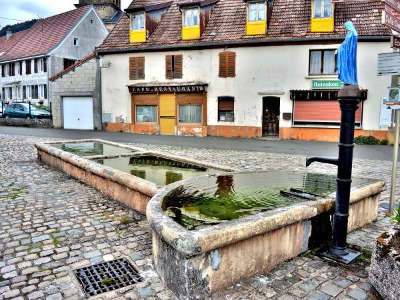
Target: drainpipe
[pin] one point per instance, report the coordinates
(99, 90)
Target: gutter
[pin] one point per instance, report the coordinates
(240, 43)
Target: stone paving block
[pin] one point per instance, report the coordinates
(11, 294)
(35, 295)
(331, 289)
(357, 294)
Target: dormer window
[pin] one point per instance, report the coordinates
(256, 11)
(191, 23)
(322, 9)
(256, 17)
(138, 27)
(138, 21)
(322, 12)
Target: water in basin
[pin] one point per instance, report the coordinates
(92, 149)
(211, 200)
(158, 170)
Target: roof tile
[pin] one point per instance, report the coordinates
(288, 19)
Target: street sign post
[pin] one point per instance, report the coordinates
(389, 64)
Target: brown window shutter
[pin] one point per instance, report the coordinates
(140, 67)
(231, 64)
(178, 60)
(225, 105)
(168, 67)
(222, 64)
(132, 68)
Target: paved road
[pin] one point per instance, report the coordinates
(258, 145)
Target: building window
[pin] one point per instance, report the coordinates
(45, 91)
(136, 68)
(3, 94)
(20, 68)
(24, 96)
(322, 9)
(28, 67)
(34, 92)
(138, 21)
(256, 11)
(10, 93)
(323, 62)
(76, 42)
(191, 17)
(146, 113)
(36, 65)
(190, 113)
(11, 69)
(227, 64)
(43, 64)
(226, 109)
(173, 66)
(68, 62)
(3, 70)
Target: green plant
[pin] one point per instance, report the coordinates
(396, 219)
(107, 281)
(125, 220)
(384, 142)
(365, 256)
(366, 140)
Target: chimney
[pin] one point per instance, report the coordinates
(8, 33)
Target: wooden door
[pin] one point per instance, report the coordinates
(271, 113)
(167, 114)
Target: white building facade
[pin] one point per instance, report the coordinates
(284, 87)
(30, 61)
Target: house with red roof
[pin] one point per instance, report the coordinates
(28, 58)
(240, 68)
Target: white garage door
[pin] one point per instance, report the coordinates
(78, 112)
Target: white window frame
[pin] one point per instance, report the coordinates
(138, 26)
(258, 10)
(189, 14)
(322, 9)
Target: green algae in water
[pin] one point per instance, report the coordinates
(215, 199)
(158, 170)
(92, 149)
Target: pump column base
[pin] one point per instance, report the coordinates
(344, 256)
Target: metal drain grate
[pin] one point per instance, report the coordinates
(107, 276)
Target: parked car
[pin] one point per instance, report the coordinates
(26, 111)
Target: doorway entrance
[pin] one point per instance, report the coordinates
(271, 113)
(167, 114)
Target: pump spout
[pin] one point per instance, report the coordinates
(326, 160)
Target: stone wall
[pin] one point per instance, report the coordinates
(81, 82)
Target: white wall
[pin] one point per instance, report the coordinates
(260, 71)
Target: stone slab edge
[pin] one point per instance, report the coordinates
(192, 243)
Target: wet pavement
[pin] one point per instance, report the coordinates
(51, 224)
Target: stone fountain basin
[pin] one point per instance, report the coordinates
(121, 186)
(196, 263)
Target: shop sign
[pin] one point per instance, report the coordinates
(167, 89)
(326, 84)
(386, 114)
(388, 63)
(391, 18)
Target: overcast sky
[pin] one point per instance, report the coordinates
(30, 9)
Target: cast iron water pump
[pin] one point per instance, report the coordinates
(349, 97)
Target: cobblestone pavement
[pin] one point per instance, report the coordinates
(51, 224)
